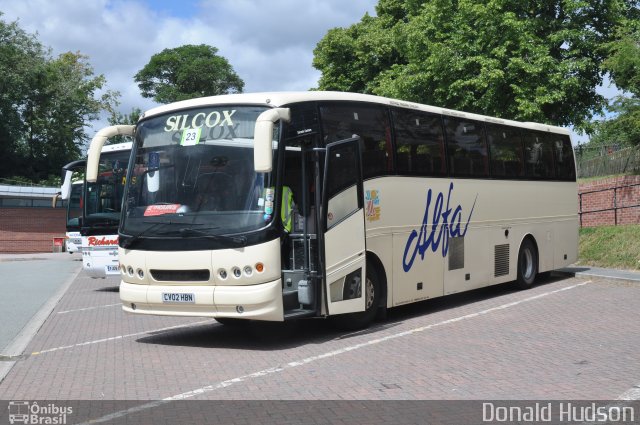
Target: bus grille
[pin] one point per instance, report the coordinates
(181, 275)
(501, 260)
(456, 253)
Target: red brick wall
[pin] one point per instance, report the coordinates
(30, 229)
(603, 200)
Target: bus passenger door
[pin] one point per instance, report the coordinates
(344, 231)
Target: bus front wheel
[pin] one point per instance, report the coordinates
(527, 264)
(372, 293)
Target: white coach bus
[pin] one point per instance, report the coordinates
(277, 206)
(97, 206)
(71, 192)
(74, 216)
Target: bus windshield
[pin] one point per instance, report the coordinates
(103, 198)
(193, 176)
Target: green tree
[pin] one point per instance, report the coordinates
(186, 72)
(45, 104)
(131, 118)
(118, 118)
(526, 60)
(21, 56)
(623, 129)
(61, 103)
(623, 61)
(623, 65)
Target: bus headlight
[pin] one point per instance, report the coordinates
(236, 272)
(248, 271)
(222, 273)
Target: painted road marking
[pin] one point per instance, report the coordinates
(291, 365)
(114, 338)
(631, 394)
(89, 308)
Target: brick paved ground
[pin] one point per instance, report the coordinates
(568, 338)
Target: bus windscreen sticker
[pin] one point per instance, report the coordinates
(191, 136)
(154, 160)
(161, 209)
(372, 200)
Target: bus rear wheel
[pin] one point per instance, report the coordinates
(527, 264)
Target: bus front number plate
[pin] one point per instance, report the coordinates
(178, 297)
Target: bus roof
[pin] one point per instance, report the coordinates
(279, 99)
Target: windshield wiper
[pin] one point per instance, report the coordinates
(128, 242)
(189, 231)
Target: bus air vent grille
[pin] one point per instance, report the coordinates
(501, 260)
(456, 253)
(201, 275)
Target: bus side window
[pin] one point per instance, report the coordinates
(505, 151)
(466, 147)
(565, 165)
(538, 152)
(342, 180)
(371, 123)
(419, 143)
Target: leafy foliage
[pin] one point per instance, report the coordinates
(186, 72)
(621, 130)
(526, 60)
(118, 118)
(45, 104)
(623, 64)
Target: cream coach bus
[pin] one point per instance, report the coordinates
(278, 206)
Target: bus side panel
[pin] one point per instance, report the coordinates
(477, 265)
(423, 280)
(566, 243)
(382, 247)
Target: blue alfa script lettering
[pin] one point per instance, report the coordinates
(444, 226)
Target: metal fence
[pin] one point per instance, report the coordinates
(623, 161)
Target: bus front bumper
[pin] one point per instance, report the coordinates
(255, 302)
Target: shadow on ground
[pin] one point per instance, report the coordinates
(273, 336)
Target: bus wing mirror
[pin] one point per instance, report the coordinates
(67, 174)
(263, 137)
(65, 189)
(54, 201)
(98, 141)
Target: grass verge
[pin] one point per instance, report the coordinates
(616, 247)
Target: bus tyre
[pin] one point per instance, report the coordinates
(527, 264)
(372, 292)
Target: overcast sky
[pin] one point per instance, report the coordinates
(269, 43)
